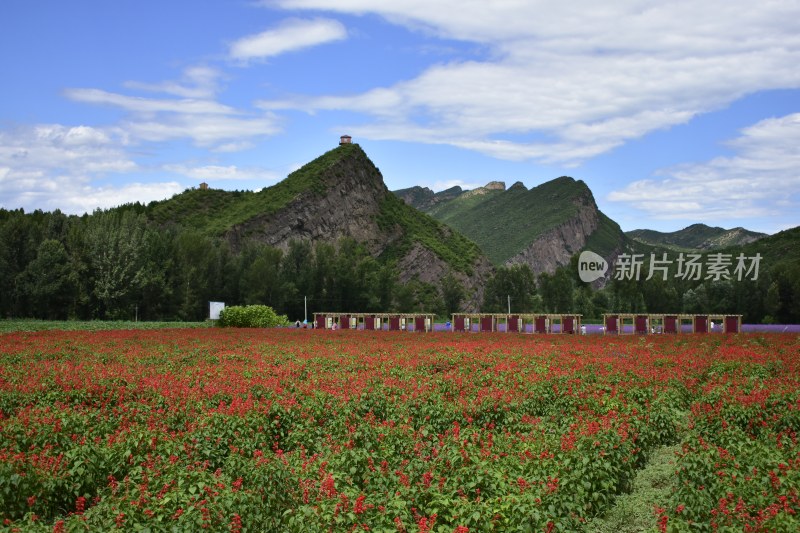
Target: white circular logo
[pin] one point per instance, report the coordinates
(591, 266)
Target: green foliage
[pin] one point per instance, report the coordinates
(424, 198)
(557, 290)
(251, 316)
(633, 512)
(515, 281)
(47, 280)
(456, 250)
(214, 211)
(115, 244)
(237, 430)
(458, 207)
(503, 223)
(452, 294)
(607, 238)
(696, 236)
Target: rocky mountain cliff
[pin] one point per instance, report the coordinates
(339, 195)
(424, 199)
(541, 227)
(556, 245)
(343, 199)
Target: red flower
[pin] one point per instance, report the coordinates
(236, 524)
(358, 507)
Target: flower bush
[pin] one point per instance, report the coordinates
(313, 430)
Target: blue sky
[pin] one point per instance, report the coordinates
(672, 112)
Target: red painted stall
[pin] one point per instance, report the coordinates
(512, 323)
(670, 324)
(732, 324)
(540, 324)
(701, 324)
(640, 325)
(344, 322)
(419, 323)
(567, 324)
(487, 323)
(612, 324)
(458, 323)
(320, 321)
(394, 323)
(369, 322)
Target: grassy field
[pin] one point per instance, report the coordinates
(10, 325)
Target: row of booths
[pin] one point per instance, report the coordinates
(613, 324)
(643, 324)
(517, 323)
(461, 322)
(375, 321)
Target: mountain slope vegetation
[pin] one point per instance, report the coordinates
(696, 237)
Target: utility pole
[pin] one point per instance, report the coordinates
(509, 304)
(305, 309)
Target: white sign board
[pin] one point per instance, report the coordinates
(214, 309)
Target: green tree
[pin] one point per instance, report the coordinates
(261, 282)
(514, 281)
(297, 272)
(452, 293)
(20, 237)
(46, 281)
(405, 299)
(786, 303)
(116, 243)
(556, 290)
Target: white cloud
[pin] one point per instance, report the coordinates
(207, 122)
(219, 173)
(292, 34)
(578, 78)
(49, 147)
(140, 104)
(204, 130)
(761, 180)
(51, 166)
(88, 198)
(199, 82)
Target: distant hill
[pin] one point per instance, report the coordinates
(697, 237)
(339, 194)
(424, 199)
(542, 227)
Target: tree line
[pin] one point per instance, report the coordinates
(119, 265)
(772, 298)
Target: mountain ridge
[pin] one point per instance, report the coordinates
(697, 237)
(541, 227)
(546, 225)
(340, 194)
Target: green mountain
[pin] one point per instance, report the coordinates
(542, 227)
(423, 198)
(696, 237)
(340, 194)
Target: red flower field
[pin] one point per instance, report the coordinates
(298, 430)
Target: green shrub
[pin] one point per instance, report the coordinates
(251, 316)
